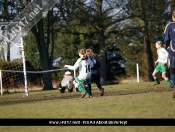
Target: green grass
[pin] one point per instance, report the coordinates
(130, 100)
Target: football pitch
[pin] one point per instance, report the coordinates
(129, 100)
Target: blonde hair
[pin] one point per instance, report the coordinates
(160, 43)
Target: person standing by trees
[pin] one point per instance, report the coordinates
(95, 74)
(169, 39)
(84, 65)
(161, 64)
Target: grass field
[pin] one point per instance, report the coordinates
(129, 100)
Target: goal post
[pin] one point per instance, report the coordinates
(24, 67)
(1, 81)
(19, 44)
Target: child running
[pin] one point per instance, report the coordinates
(84, 65)
(95, 74)
(161, 64)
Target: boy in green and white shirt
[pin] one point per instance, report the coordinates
(161, 64)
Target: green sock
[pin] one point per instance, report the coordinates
(169, 82)
(87, 89)
(81, 88)
(156, 80)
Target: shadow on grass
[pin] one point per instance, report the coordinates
(43, 96)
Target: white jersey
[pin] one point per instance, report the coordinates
(84, 68)
(162, 55)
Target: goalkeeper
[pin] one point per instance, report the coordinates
(67, 82)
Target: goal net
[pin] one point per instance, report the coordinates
(26, 19)
(12, 59)
(13, 74)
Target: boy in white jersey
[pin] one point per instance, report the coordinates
(161, 64)
(84, 65)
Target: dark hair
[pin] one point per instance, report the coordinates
(173, 13)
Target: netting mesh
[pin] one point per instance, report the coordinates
(10, 59)
(11, 80)
(11, 66)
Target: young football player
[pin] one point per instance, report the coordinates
(84, 65)
(161, 64)
(95, 73)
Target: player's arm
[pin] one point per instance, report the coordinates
(156, 62)
(91, 64)
(164, 59)
(97, 62)
(166, 35)
(75, 66)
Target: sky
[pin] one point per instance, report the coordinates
(14, 52)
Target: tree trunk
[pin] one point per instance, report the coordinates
(43, 53)
(149, 58)
(147, 42)
(102, 50)
(102, 58)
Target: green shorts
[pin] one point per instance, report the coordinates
(161, 68)
(80, 81)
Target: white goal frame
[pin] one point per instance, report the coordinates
(21, 45)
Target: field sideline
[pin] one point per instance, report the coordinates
(129, 100)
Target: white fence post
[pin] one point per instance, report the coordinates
(137, 69)
(75, 76)
(74, 73)
(1, 81)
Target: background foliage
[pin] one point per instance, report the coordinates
(121, 33)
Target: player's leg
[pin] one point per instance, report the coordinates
(172, 75)
(61, 88)
(70, 86)
(100, 87)
(164, 70)
(156, 80)
(98, 83)
(171, 65)
(154, 74)
(78, 83)
(89, 85)
(86, 86)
